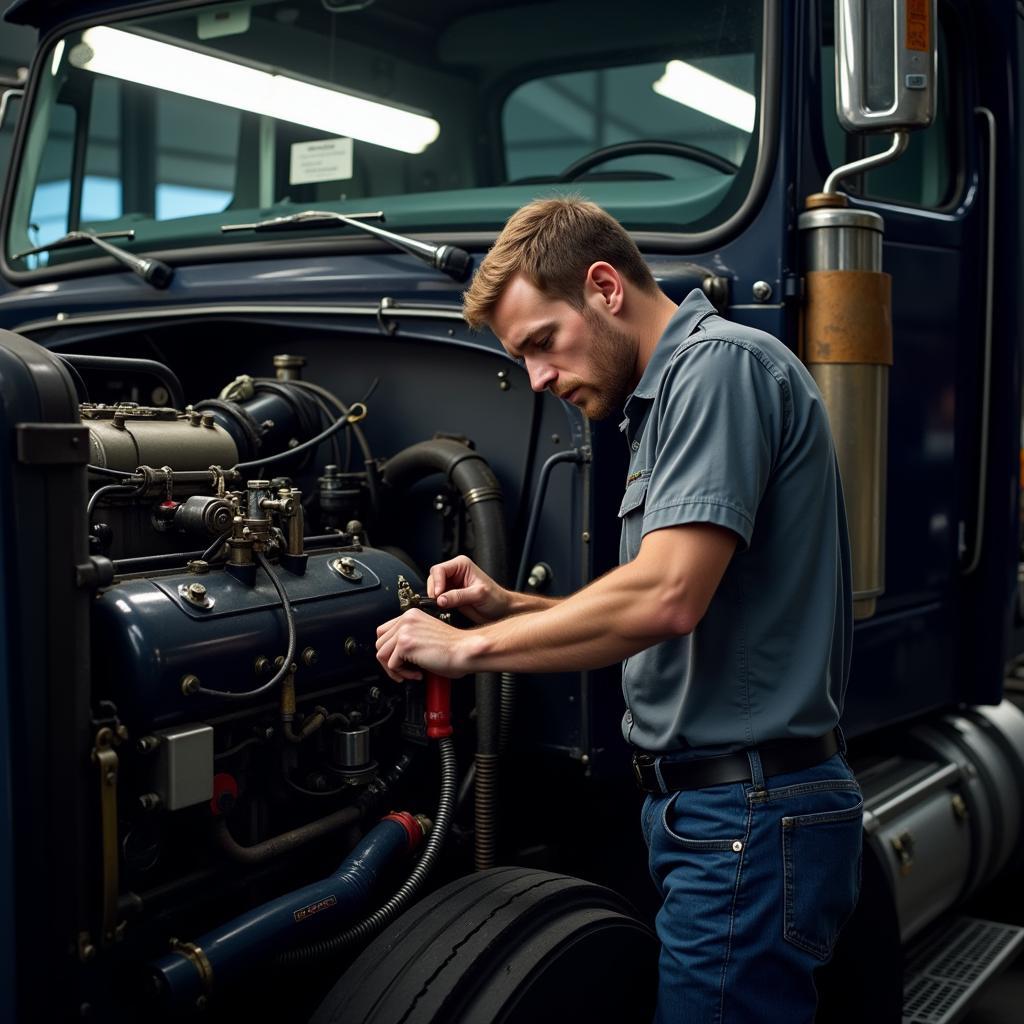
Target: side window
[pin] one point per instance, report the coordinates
(550, 122)
(926, 174)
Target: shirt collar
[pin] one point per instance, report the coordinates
(693, 309)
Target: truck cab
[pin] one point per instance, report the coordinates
(242, 415)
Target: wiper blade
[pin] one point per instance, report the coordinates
(153, 271)
(449, 259)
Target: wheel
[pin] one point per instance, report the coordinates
(658, 147)
(508, 946)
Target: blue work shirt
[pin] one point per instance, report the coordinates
(727, 427)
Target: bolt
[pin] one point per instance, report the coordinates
(351, 647)
(197, 591)
(959, 806)
(586, 536)
(207, 420)
(189, 684)
(147, 744)
(149, 801)
(88, 951)
(262, 665)
(555, 439)
(195, 417)
(762, 291)
(122, 731)
(374, 695)
(309, 656)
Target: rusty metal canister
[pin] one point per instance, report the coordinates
(847, 346)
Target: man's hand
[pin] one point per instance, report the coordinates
(459, 583)
(415, 643)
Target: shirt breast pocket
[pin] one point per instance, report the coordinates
(631, 516)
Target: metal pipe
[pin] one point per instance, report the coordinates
(900, 140)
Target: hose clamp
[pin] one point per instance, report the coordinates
(193, 953)
(475, 494)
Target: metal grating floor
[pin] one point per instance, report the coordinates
(947, 969)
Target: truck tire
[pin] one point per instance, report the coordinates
(503, 946)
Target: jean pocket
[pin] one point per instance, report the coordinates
(690, 820)
(822, 862)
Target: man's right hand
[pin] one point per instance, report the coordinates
(460, 583)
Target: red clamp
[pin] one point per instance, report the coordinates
(438, 713)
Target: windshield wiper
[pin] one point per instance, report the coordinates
(153, 271)
(449, 259)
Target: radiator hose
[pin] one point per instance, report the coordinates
(470, 474)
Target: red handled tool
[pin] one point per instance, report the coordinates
(438, 703)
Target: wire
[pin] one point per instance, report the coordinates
(311, 443)
(215, 546)
(122, 490)
(103, 471)
(286, 665)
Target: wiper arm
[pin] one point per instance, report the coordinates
(449, 259)
(153, 271)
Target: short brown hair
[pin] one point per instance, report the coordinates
(553, 242)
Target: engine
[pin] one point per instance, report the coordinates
(247, 735)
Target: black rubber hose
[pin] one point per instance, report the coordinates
(376, 921)
(286, 665)
(162, 373)
(469, 472)
(297, 450)
(114, 490)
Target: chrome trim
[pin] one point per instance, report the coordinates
(900, 141)
(986, 382)
(176, 312)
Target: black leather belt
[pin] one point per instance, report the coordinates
(777, 758)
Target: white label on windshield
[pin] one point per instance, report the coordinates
(326, 160)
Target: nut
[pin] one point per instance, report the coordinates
(309, 657)
(189, 684)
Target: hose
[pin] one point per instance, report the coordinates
(286, 665)
(372, 924)
(469, 472)
(162, 373)
(121, 490)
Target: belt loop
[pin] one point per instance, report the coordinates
(659, 777)
(756, 773)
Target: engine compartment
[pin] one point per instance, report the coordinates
(245, 546)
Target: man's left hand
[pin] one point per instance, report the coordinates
(415, 643)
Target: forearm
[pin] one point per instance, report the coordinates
(520, 604)
(614, 617)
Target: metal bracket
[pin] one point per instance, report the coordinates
(104, 757)
(52, 444)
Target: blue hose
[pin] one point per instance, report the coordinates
(221, 955)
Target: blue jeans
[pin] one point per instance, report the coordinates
(756, 880)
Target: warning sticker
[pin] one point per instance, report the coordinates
(919, 14)
(325, 160)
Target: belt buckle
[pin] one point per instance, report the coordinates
(641, 761)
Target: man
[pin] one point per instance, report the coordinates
(731, 609)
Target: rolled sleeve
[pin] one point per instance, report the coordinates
(719, 418)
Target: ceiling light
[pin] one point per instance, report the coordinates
(134, 58)
(694, 88)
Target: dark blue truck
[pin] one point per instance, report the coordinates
(241, 415)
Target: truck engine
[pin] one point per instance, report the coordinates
(240, 582)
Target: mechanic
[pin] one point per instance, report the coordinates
(731, 608)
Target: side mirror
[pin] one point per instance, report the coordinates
(886, 64)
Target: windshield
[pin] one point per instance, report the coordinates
(445, 116)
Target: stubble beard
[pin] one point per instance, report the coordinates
(612, 365)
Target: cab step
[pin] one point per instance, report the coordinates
(947, 968)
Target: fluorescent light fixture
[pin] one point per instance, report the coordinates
(133, 58)
(694, 88)
(58, 52)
